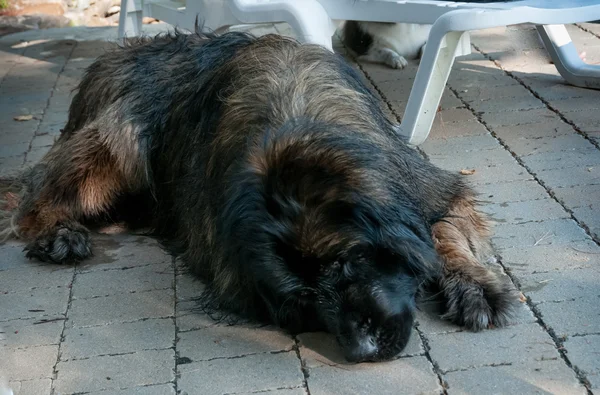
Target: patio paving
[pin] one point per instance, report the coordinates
(125, 322)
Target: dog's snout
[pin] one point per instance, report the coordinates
(363, 349)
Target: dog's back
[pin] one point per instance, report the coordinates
(274, 171)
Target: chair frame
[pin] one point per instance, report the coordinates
(314, 21)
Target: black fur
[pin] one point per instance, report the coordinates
(270, 168)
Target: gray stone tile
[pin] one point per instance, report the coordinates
(9, 150)
(538, 377)
(46, 140)
(459, 145)
(456, 115)
(476, 94)
(449, 100)
(491, 166)
(189, 287)
(118, 338)
(512, 104)
(115, 372)
(124, 280)
(12, 256)
(506, 192)
(11, 167)
(513, 118)
(563, 160)
(402, 376)
(34, 303)
(574, 104)
(579, 196)
(29, 363)
(514, 344)
(34, 155)
(513, 135)
(231, 341)
(584, 254)
(160, 389)
(247, 374)
(123, 250)
(567, 142)
(193, 320)
(29, 333)
(122, 308)
(584, 353)
(530, 234)
(572, 317)
(528, 211)
(26, 387)
(445, 130)
(590, 216)
(27, 277)
(322, 349)
(561, 285)
(572, 176)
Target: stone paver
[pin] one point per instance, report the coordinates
(231, 341)
(123, 338)
(239, 375)
(122, 308)
(539, 377)
(129, 320)
(115, 372)
(584, 352)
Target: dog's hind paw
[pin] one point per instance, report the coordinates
(480, 305)
(62, 244)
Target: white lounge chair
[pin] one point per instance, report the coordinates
(313, 21)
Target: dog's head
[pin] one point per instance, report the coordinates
(329, 246)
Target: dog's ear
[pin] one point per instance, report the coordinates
(398, 240)
(410, 255)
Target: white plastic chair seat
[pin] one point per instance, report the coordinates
(313, 21)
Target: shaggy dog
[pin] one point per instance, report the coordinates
(271, 169)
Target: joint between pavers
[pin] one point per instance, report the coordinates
(539, 97)
(585, 334)
(485, 365)
(303, 368)
(266, 390)
(116, 354)
(122, 322)
(558, 343)
(536, 312)
(434, 365)
(123, 293)
(587, 30)
(534, 175)
(35, 133)
(236, 357)
(176, 271)
(110, 269)
(62, 334)
(121, 388)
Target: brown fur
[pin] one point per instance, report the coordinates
(273, 172)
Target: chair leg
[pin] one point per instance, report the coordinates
(429, 84)
(566, 58)
(130, 19)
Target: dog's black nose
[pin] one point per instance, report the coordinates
(363, 350)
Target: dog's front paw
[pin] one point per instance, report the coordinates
(61, 244)
(479, 302)
(396, 61)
